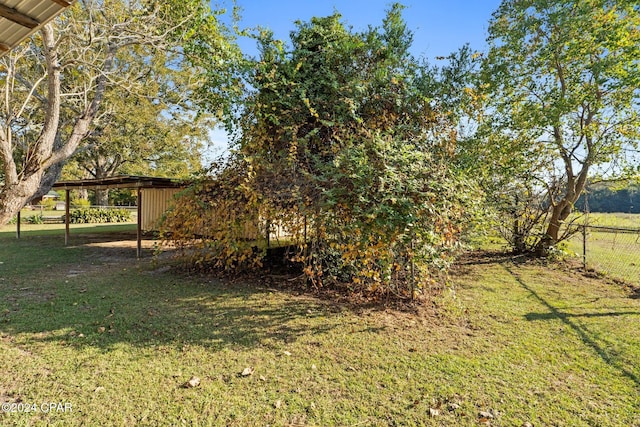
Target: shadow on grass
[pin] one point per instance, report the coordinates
(587, 337)
(211, 315)
(215, 319)
(561, 315)
(92, 300)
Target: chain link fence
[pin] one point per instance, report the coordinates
(613, 251)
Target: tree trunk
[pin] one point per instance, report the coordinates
(45, 157)
(47, 180)
(552, 235)
(100, 172)
(102, 197)
(561, 211)
(14, 197)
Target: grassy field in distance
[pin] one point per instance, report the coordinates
(613, 253)
(623, 220)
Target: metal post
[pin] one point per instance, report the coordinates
(18, 225)
(139, 230)
(66, 216)
(413, 273)
(584, 247)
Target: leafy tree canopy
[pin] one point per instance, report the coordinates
(563, 78)
(54, 87)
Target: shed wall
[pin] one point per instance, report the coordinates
(155, 202)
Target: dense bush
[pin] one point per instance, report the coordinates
(98, 216)
(33, 219)
(342, 149)
(48, 204)
(80, 204)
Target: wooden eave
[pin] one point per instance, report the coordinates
(122, 181)
(19, 19)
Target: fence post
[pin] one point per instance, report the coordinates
(584, 247)
(413, 273)
(268, 234)
(18, 219)
(306, 249)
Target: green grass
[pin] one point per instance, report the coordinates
(25, 213)
(117, 339)
(614, 220)
(614, 254)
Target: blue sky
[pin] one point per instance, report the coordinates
(439, 26)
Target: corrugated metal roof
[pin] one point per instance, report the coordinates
(21, 18)
(122, 181)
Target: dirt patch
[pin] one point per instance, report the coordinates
(634, 291)
(119, 249)
(31, 295)
(8, 396)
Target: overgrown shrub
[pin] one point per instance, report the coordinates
(34, 219)
(215, 225)
(98, 216)
(522, 216)
(80, 204)
(341, 149)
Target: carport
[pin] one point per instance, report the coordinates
(156, 206)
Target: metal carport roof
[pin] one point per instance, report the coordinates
(120, 181)
(21, 18)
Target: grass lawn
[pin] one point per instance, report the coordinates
(615, 254)
(116, 339)
(624, 220)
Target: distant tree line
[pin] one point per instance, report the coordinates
(608, 198)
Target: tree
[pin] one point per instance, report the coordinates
(564, 76)
(54, 86)
(342, 147)
(141, 134)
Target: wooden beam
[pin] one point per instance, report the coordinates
(63, 3)
(139, 228)
(18, 17)
(5, 47)
(67, 218)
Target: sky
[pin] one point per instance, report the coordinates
(440, 27)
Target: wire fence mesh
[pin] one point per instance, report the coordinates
(613, 251)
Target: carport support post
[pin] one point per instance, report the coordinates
(67, 202)
(139, 232)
